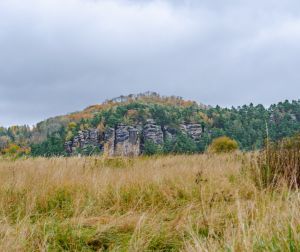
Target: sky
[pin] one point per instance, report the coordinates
(60, 56)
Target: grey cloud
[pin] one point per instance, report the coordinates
(61, 56)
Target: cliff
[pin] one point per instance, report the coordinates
(126, 140)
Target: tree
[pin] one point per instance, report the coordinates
(4, 141)
(53, 146)
(15, 151)
(184, 144)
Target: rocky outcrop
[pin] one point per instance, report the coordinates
(109, 141)
(170, 133)
(193, 130)
(86, 140)
(69, 147)
(125, 140)
(153, 132)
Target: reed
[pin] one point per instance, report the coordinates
(280, 162)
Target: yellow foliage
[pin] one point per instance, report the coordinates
(205, 118)
(223, 145)
(69, 135)
(14, 150)
(101, 126)
(72, 125)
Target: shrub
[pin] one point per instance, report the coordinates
(15, 151)
(69, 135)
(223, 145)
(150, 148)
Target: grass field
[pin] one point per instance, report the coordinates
(172, 203)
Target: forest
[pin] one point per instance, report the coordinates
(249, 125)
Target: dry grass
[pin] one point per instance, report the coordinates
(280, 160)
(173, 203)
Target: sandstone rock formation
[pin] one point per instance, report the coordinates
(84, 140)
(126, 140)
(193, 130)
(109, 141)
(170, 133)
(153, 132)
(69, 147)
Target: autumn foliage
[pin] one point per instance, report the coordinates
(14, 151)
(223, 145)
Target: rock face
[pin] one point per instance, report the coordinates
(125, 140)
(109, 141)
(193, 130)
(153, 132)
(69, 147)
(86, 140)
(170, 133)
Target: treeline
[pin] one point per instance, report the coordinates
(249, 125)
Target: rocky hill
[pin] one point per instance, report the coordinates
(149, 123)
(124, 126)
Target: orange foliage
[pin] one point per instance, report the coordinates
(80, 115)
(132, 113)
(148, 97)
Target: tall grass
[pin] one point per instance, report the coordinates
(172, 203)
(280, 162)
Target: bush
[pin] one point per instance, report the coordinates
(15, 151)
(223, 145)
(150, 148)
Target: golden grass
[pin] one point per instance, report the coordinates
(172, 203)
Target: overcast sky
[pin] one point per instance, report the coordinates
(59, 56)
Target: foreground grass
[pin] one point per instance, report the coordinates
(173, 203)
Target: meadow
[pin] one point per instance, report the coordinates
(162, 203)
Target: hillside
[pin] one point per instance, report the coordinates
(179, 126)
